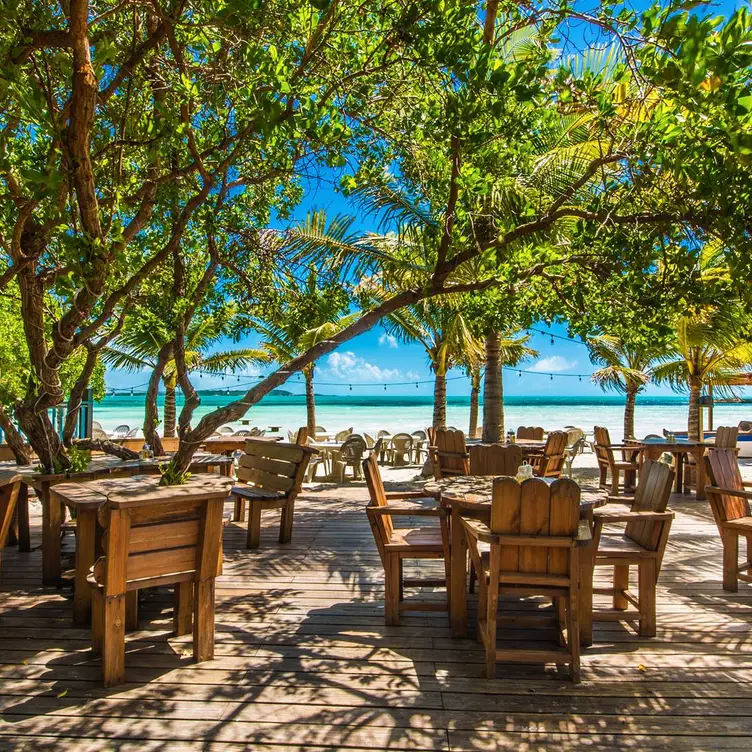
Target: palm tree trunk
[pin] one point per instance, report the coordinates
(310, 401)
(693, 420)
(629, 407)
(472, 430)
(439, 399)
(170, 407)
(493, 391)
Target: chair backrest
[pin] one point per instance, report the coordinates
(99, 434)
(320, 429)
(381, 433)
(164, 541)
(574, 437)
(602, 443)
(378, 447)
(535, 508)
(726, 437)
(723, 471)
(419, 435)
(745, 426)
(450, 456)
(652, 436)
(301, 438)
(274, 466)
(225, 430)
(402, 442)
(382, 525)
(494, 459)
(553, 455)
(290, 436)
(242, 432)
(530, 432)
(342, 435)
(369, 440)
(353, 449)
(10, 485)
(121, 430)
(256, 431)
(651, 495)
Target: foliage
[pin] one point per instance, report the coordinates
(170, 475)
(79, 459)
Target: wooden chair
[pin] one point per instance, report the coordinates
(272, 474)
(530, 432)
(534, 537)
(726, 437)
(10, 486)
(449, 454)
(396, 544)
(607, 462)
(163, 541)
(494, 459)
(551, 462)
(729, 499)
(641, 545)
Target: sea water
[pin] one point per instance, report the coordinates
(392, 413)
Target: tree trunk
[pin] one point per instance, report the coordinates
(472, 429)
(77, 395)
(629, 408)
(693, 420)
(170, 407)
(151, 419)
(13, 439)
(493, 395)
(310, 401)
(42, 436)
(439, 399)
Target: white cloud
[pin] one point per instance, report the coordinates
(554, 364)
(347, 366)
(388, 340)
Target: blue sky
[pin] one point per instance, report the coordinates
(375, 359)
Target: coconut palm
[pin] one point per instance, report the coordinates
(136, 349)
(626, 367)
(711, 347)
(500, 351)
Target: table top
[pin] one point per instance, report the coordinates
(524, 443)
(138, 490)
(676, 445)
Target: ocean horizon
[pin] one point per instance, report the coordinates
(371, 413)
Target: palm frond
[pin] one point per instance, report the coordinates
(124, 360)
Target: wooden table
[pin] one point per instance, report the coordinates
(87, 498)
(654, 448)
(228, 445)
(470, 496)
(99, 467)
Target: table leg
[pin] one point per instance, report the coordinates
(679, 480)
(51, 522)
(458, 582)
(22, 512)
(700, 474)
(86, 523)
(226, 470)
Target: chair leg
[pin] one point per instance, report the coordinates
(113, 642)
(254, 526)
(182, 617)
(562, 621)
(573, 634)
(602, 480)
(285, 528)
(392, 589)
(131, 610)
(615, 482)
(401, 580)
(730, 562)
(239, 514)
(647, 575)
(621, 583)
(492, 606)
(203, 621)
(97, 620)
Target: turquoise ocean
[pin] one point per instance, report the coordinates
(409, 413)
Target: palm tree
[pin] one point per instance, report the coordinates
(500, 351)
(626, 368)
(473, 367)
(712, 345)
(137, 348)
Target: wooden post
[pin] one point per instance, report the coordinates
(86, 522)
(51, 522)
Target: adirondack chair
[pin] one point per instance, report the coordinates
(530, 432)
(726, 437)
(449, 454)
(271, 474)
(494, 459)
(607, 462)
(533, 536)
(395, 544)
(163, 540)
(551, 462)
(729, 498)
(10, 486)
(641, 545)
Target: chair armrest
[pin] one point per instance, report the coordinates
(729, 491)
(747, 483)
(476, 529)
(396, 495)
(605, 515)
(480, 532)
(620, 499)
(584, 534)
(408, 511)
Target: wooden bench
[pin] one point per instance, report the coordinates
(157, 536)
(272, 475)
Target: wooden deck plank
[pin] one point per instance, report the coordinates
(304, 660)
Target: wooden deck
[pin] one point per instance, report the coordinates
(304, 661)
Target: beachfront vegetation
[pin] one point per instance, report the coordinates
(164, 139)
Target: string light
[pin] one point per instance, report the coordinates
(416, 385)
(384, 387)
(350, 387)
(551, 377)
(552, 340)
